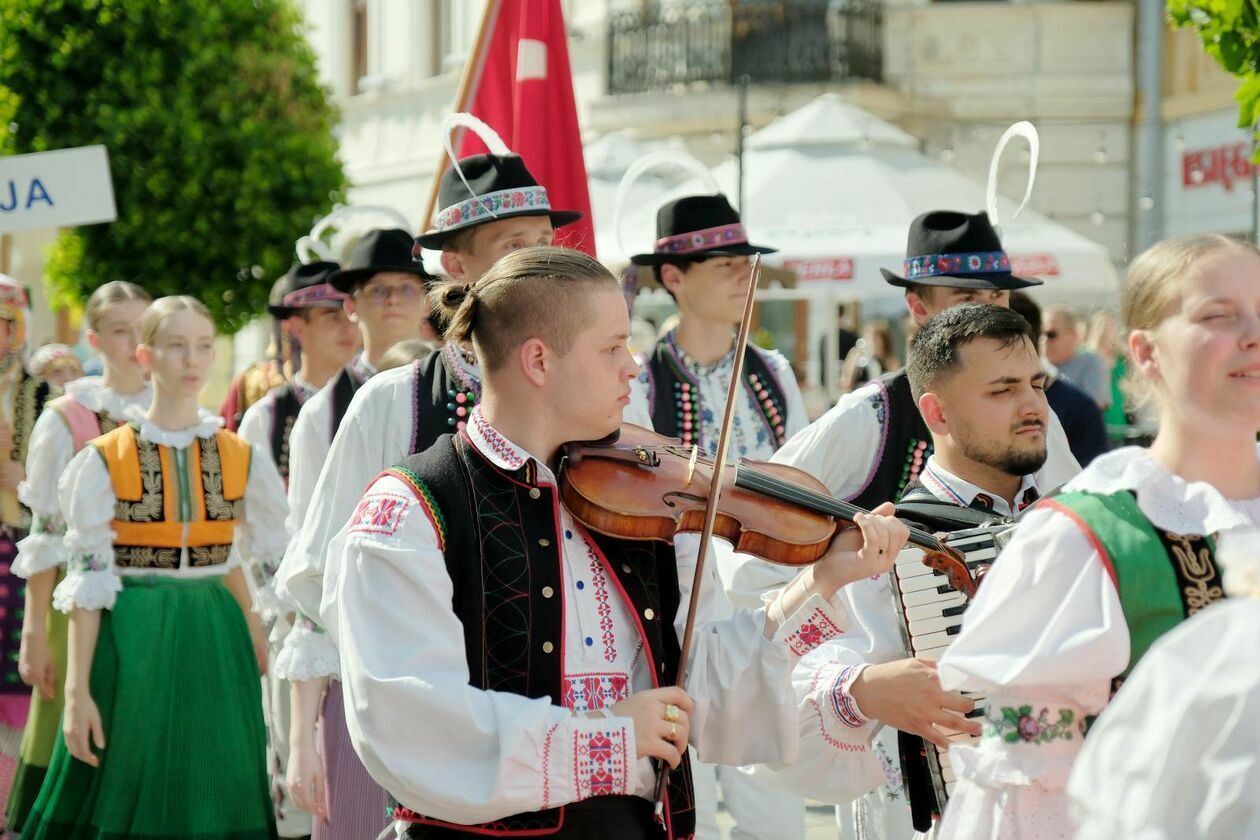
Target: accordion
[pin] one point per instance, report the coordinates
(930, 610)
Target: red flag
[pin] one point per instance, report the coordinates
(520, 84)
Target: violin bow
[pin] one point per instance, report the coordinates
(715, 493)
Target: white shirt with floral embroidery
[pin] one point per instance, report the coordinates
(1044, 639)
(87, 498)
(483, 755)
(49, 453)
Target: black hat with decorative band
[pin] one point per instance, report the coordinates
(379, 250)
(485, 188)
(304, 286)
(698, 227)
(958, 250)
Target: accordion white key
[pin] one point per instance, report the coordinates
(930, 611)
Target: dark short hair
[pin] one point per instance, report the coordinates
(1023, 303)
(683, 264)
(933, 352)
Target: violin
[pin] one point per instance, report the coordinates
(645, 486)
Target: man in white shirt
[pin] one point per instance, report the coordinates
(976, 377)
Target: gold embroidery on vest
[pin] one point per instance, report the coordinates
(217, 507)
(25, 411)
(105, 422)
(1194, 559)
(149, 508)
(146, 557)
(208, 555)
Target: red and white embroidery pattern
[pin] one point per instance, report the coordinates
(600, 582)
(380, 513)
(823, 730)
(546, 765)
(815, 630)
(600, 763)
(588, 692)
(488, 439)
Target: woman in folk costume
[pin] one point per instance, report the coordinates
(91, 406)
(1124, 552)
(1177, 753)
(22, 399)
(163, 722)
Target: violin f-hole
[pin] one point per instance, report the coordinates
(685, 497)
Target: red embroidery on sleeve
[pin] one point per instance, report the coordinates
(600, 763)
(380, 514)
(815, 630)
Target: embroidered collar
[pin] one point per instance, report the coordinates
(695, 368)
(1168, 500)
(948, 487)
(500, 451)
(302, 389)
(463, 368)
(207, 424)
(89, 392)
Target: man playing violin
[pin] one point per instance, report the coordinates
(503, 664)
(976, 377)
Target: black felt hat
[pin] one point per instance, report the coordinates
(379, 250)
(303, 286)
(502, 188)
(958, 250)
(698, 226)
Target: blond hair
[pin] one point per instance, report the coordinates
(162, 309)
(111, 294)
(1153, 286)
(536, 292)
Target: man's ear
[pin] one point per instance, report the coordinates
(671, 278)
(453, 264)
(532, 356)
(918, 308)
(347, 304)
(933, 411)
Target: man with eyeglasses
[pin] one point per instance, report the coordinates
(385, 296)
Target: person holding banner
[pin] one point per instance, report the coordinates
(91, 406)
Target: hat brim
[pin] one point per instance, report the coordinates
(744, 249)
(282, 312)
(987, 282)
(435, 239)
(345, 279)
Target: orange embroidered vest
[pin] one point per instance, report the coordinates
(169, 498)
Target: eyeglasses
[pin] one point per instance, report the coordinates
(380, 295)
(1051, 334)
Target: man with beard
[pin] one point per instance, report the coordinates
(976, 377)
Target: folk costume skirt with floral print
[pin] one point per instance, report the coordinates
(176, 683)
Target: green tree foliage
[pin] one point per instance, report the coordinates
(219, 135)
(1230, 30)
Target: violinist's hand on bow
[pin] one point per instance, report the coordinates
(863, 551)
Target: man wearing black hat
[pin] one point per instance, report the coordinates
(311, 312)
(403, 411)
(384, 293)
(701, 257)
(874, 442)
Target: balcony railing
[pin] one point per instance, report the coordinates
(667, 44)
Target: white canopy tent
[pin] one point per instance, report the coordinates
(835, 188)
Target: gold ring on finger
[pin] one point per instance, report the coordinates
(671, 713)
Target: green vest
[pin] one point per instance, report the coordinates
(1162, 578)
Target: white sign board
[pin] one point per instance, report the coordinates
(1207, 186)
(56, 189)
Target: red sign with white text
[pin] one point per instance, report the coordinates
(1034, 265)
(832, 268)
(1224, 165)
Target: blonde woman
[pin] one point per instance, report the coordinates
(91, 406)
(1124, 552)
(163, 719)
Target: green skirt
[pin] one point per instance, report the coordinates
(43, 729)
(176, 683)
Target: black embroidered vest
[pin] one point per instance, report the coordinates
(442, 399)
(904, 446)
(674, 395)
(285, 407)
(30, 395)
(344, 386)
(507, 596)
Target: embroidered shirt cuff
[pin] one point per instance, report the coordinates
(841, 699)
(583, 757)
(88, 587)
(308, 653)
(38, 553)
(839, 722)
(815, 622)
